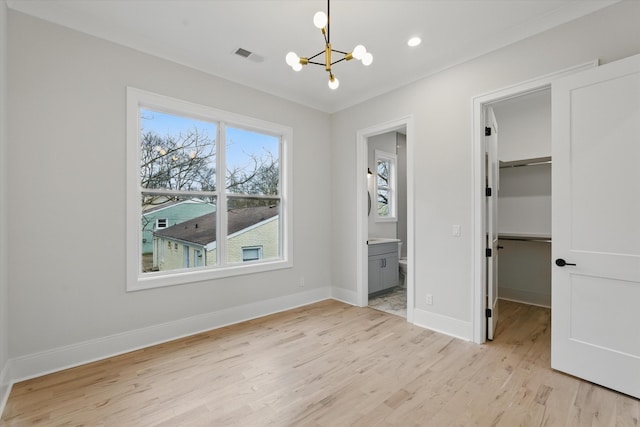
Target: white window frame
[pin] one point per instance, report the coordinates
(391, 188)
(136, 280)
(164, 220)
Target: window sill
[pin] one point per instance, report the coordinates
(183, 277)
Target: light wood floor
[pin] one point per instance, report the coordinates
(327, 364)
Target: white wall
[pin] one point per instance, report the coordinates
(4, 283)
(66, 213)
(524, 201)
(441, 107)
(524, 126)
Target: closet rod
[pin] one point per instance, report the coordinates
(525, 239)
(526, 162)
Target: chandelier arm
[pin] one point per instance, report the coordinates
(339, 51)
(317, 54)
(339, 60)
(317, 63)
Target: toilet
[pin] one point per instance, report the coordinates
(402, 263)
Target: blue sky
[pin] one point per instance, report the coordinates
(243, 142)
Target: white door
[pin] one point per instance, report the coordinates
(493, 174)
(596, 225)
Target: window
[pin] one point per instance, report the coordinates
(251, 254)
(385, 186)
(220, 182)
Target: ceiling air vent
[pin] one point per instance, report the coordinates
(243, 52)
(251, 56)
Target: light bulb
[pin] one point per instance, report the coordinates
(320, 20)
(297, 66)
(414, 41)
(333, 83)
(359, 51)
(367, 59)
(292, 59)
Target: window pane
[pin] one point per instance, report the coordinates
(253, 162)
(176, 153)
(253, 223)
(383, 173)
(383, 202)
(251, 254)
(188, 240)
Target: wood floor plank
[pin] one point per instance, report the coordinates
(328, 364)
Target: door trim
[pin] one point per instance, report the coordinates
(478, 261)
(362, 273)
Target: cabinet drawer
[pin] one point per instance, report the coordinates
(383, 248)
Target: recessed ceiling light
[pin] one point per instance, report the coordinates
(414, 41)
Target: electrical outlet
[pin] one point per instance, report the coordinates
(301, 284)
(429, 299)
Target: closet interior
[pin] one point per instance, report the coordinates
(524, 198)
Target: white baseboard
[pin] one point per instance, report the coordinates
(5, 386)
(344, 295)
(525, 297)
(443, 324)
(42, 363)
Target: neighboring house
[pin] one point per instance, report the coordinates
(168, 214)
(252, 235)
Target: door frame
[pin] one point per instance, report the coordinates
(478, 224)
(362, 273)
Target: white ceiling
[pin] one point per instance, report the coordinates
(204, 34)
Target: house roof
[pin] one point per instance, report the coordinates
(202, 230)
(168, 204)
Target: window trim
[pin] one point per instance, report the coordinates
(392, 187)
(136, 280)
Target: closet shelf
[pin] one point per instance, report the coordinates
(526, 162)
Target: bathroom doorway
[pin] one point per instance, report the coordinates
(385, 220)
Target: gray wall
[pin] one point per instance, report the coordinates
(4, 283)
(441, 107)
(67, 213)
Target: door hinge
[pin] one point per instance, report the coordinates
(487, 191)
(488, 252)
(487, 131)
(488, 312)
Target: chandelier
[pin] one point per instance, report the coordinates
(322, 22)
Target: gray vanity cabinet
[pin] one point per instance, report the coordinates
(383, 266)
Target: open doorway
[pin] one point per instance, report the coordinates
(524, 186)
(387, 222)
(518, 203)
(385, 215)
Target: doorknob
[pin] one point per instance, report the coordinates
(561, 263)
